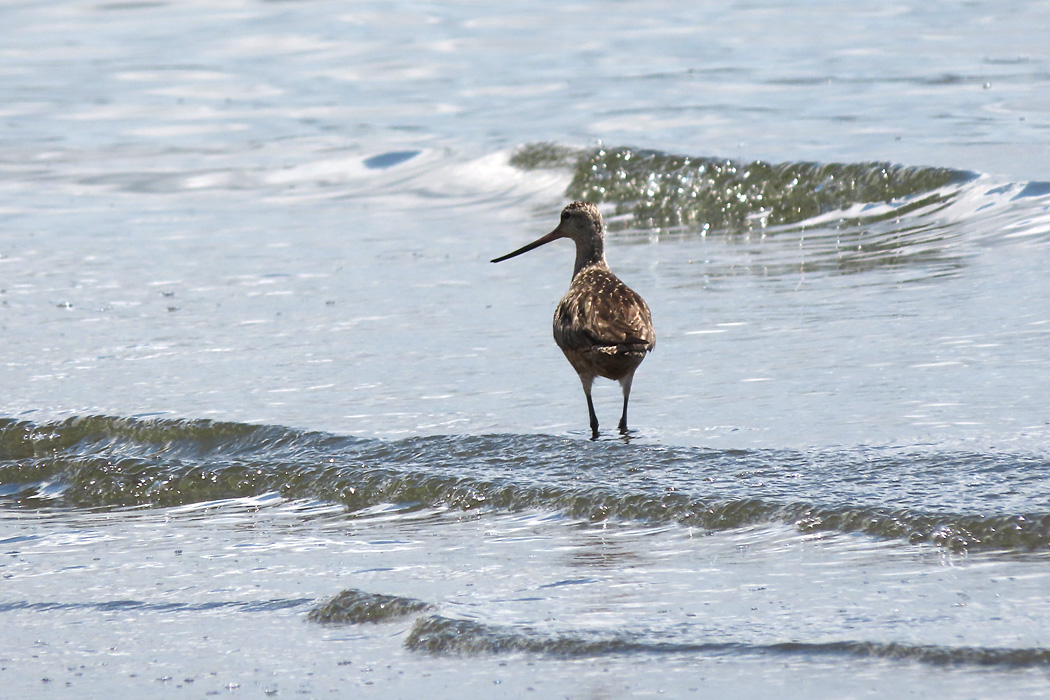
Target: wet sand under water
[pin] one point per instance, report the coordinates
(271, 424)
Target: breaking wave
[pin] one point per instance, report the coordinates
(659, 189)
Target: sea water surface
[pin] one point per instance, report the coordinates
(271, 425)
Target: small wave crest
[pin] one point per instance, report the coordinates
(354, 607)
(100, 462)
(441, 635)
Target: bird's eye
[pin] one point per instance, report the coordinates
(565, 216)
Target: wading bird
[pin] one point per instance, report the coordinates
(603, 327)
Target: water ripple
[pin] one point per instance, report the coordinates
(956, 500)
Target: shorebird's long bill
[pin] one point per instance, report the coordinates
(553, 235)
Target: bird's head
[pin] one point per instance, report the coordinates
(580, 221)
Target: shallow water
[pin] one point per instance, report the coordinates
(272, 424)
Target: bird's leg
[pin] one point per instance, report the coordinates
(626, 384)
(594, 417)
(587, 382)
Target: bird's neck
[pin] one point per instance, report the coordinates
(590, 253)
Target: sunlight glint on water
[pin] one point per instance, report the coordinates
(272, 425)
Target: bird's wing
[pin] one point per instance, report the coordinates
(601, 311)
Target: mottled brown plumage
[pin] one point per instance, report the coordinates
(603, 327)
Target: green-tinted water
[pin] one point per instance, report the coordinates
(270, 424)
